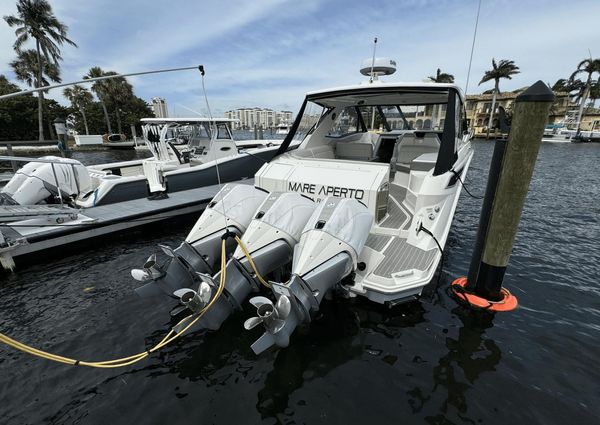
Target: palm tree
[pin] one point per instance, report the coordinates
(26, 69)
(100, 88)
(35, 20)
(588, 66)
(503, 69)
(118, 92)
(79, 97)
(595, 92)
(441, 77)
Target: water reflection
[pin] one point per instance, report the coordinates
(468, 356)
(332, 339)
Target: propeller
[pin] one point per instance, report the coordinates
(149, 271)
(195, 301)
(271, 315)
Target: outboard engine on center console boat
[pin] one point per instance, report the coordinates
(231, 210)
(328, 252)
(39, 182)
(269, 242)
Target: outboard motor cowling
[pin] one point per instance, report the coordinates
(35, 181)
(328, 251)
(270, 240)
(231, 209)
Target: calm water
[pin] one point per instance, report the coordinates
(429, 361)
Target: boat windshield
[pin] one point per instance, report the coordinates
(313, 115)
(385, 118)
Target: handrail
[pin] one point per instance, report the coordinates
(91, 80)
(47, 161)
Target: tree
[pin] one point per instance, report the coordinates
(101, 90)
(35, 20)
(18, 115)
(441, 77)
(595, 92)
(590, 67)
(79, 97)
(118, 93)
(503, 69)
(26, 69)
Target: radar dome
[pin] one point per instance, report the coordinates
(381, 66)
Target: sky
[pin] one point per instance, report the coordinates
(269, 53)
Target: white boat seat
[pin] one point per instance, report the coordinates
(354, 151)
(410, 147)
(359, 150)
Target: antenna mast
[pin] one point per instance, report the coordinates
(373, 60)
(472, 48)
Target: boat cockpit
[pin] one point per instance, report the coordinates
(401, 126)
(162, 135)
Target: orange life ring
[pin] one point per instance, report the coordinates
(508, 303)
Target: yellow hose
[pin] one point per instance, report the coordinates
(251, 261)
(126, 361)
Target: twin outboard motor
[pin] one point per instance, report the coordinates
(269, 239)
(230, 210)
(328, 252)
(36, 182)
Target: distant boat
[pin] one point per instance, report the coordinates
(558, 133)
(118, 141)
(283, 128)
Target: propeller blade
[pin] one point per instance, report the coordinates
(180, 292)
(263, 343)
(252, 323)
(283, 307)
(167, 250)
(150, 262)
(140, 275)
(204, 292)
(206, 278)
(275, 325)
(258, 301)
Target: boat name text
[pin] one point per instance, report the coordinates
(338, 192)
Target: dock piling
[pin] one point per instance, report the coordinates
(510, 174)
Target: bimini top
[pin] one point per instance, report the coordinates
(328, 97)
(186, 120)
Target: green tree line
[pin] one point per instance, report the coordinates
(29, 117)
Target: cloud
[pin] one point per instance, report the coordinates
(270, 52)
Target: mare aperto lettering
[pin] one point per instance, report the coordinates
(338, 192)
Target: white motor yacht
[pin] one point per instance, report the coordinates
(362, 207)
(283, 128)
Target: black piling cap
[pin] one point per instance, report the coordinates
(538, 92)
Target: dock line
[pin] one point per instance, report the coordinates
(129, 360)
